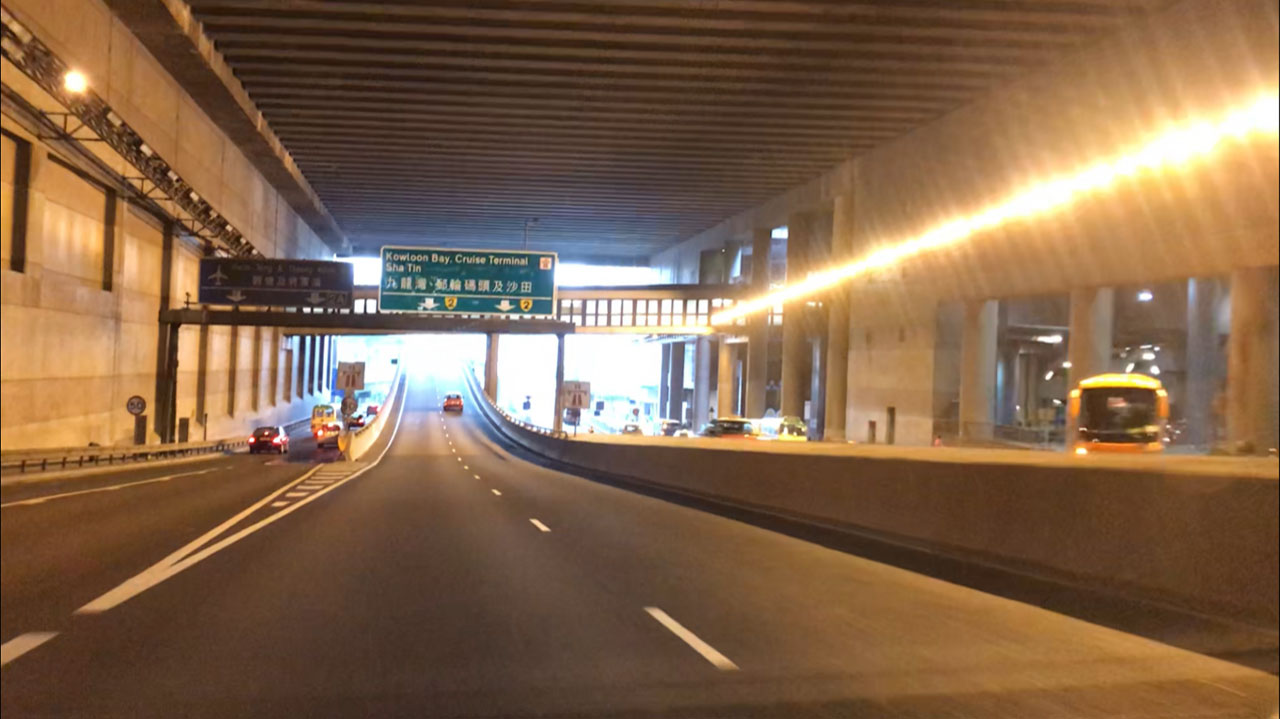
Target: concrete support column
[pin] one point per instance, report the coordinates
(726, 400)
(557, 423)
(491, 367)
(675, 390)
(664, 382)
(758, 324)
(701, 383)
(836, 398)
(978, 369)
(1251, 361)
(1089, 344)
(1204, 368)
(793, 326)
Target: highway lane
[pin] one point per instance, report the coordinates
(64, 541)
(454, 579)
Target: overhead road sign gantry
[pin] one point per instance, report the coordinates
(276, 283)
(473, 282)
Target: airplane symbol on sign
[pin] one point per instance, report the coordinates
(217, 277)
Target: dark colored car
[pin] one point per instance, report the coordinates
(372, 410)
(453, 403)
(269, 439)
(729, 427)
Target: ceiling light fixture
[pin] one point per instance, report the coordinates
(1168, 150)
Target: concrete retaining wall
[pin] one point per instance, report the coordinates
(1203, 542)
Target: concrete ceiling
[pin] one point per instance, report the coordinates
(623, 126)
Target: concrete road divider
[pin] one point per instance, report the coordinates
(1204, 540)
(361, 440)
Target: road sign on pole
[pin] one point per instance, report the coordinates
(577, 395)
(276, 283)
(350, 376)
(136, 405)
(451, 281)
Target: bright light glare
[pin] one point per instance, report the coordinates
(1066, 365)
(1048, 375)
(1148, 356)
(1081, 450)
(1048, 339)
(1145, 296)
(75, 81)
(1155, 370)
(1169, 150)
(1129, 367)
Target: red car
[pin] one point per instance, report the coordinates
(269, 439)
(453, 403)
(327, 435)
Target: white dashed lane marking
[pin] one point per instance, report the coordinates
(496, 492)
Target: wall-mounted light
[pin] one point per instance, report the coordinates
(1129, 368)
(1148, 356)
(1145, 296)
(1048, 375)
(75, 82)
(1155, 370)
(1048, 339)
(1066, 365)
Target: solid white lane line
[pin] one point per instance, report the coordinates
(707, 651)
(22, 644)
(541, 527)
(280, 504)
(111, 488)
(496, 492)
(192, 553)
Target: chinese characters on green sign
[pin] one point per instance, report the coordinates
(492, 282)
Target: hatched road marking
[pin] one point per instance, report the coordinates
(22, 644)
(708, 652)
(541, 527)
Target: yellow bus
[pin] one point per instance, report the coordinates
(1118, 413)
(323, 415)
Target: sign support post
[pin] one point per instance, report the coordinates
(558, 423)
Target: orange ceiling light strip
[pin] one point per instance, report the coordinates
(1169, 150)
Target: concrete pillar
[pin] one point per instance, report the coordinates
(794, 335)
(675, 390)
(726, 401)
(557, 423)
(1089, 341)
(491, 367)
(701, 383)
(1251, 361)
(758, 324)
(978, 369)
(836, 397)
(664, 383)
(1204, 368)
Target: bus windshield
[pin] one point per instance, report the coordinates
(1119, 414)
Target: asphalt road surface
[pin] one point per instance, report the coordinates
(452, 578)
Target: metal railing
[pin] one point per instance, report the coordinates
(476, 385)
(31, 461)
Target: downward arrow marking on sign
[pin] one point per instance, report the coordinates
(236, 296)
(427, 304)
(315, 298)
(506, 306)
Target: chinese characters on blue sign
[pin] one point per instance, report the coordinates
(494, 282)
(276, 283)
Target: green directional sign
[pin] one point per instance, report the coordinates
(452, 281)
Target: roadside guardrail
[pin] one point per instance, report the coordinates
(32, 461)
(475, 383)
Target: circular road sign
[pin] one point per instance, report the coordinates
(349, 405)
(136, 405)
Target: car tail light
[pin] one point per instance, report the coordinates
(277, 439)
(319, 433)
(252, 440)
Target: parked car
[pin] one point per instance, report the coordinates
(668, 427)
(729, 427)
(631, 428)
(372, 410)
(269, 439)
(453, 402)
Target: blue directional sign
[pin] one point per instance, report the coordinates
(451, 281)
(276, 283)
